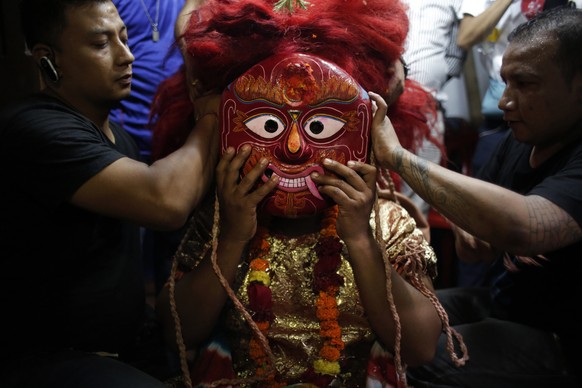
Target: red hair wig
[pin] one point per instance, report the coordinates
(224, 38)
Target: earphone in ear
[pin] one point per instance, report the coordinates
(49, 69)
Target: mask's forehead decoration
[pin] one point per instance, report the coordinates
(296, 110)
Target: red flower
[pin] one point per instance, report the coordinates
(328, 247)
(324, 282)
(261, 302)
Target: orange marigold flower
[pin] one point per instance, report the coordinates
(337, 342)
(329, 353)
(332, 333)
(256, 351)
(263, 326)
(259, 245)
(329, 232)
(329, 325)
(327, 314)
(264, 247)
(326, 301)
(259, 264)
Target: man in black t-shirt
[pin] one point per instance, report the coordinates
(74, 194)
(525, 214)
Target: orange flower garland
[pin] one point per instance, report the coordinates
(260, 300)
(326, 285)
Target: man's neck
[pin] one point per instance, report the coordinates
(97, 115)
(542, 152)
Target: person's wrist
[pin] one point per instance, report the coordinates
(231, 234)
(385, 157)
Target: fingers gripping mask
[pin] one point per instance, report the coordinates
(296, 110)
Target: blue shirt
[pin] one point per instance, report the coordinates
(154, 62)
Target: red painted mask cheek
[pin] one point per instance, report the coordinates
(295, 111)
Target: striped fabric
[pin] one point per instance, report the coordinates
(431, 51)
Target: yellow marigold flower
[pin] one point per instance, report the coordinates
(326, 367)
(260, 277)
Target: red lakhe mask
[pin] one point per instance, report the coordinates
(296, 110)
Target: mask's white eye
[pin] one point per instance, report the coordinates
(266, 126)
(323, 126)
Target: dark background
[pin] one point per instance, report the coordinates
(18, 74)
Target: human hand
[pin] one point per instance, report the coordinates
(384, 138)
(353, 188)
(238, 200)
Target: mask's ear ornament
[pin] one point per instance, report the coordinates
(296, 110)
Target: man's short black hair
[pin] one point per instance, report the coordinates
(43, 20)
(563, 23)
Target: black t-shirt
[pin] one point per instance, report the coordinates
(546, 295)
(69, 278)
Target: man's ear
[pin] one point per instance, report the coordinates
(44, 57)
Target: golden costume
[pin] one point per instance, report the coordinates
(294, 335)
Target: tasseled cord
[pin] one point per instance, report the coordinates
(231, 294)
(410, 263)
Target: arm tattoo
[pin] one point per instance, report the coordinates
(399, 160)
(418, 174)
(550, 226)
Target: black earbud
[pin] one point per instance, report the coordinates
(49, 69)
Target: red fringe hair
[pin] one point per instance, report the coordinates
(224, 38)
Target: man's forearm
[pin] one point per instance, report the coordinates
(474, 29)
(481, 208)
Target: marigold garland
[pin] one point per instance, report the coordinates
(326, 285)
(260, 301)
